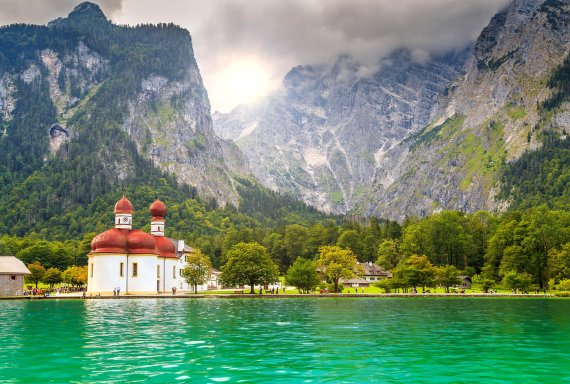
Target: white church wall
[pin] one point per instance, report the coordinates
(104, 273)
(146, 280)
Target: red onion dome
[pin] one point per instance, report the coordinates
(110, 241)
(158, 209)
(123, 206)
(165, 247)
(140, 242)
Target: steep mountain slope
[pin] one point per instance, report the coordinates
(88, 108)
(491, 117)
(322, 137)
(414, 138)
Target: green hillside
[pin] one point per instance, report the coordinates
(542, 176)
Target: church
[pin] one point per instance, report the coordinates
(134, 261)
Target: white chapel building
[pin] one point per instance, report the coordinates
(134, 261)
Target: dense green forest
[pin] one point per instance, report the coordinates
(535, 242)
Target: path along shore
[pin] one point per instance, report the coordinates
(76, 296)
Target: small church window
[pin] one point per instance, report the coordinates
(158, 271)
(135, 269)
(174, 271)
(13, 277)
(121, 269)
(92, 268)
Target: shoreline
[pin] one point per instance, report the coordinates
(265, 296)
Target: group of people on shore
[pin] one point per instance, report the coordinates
(272, 291)
(47, 291)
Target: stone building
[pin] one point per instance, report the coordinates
(12, 271)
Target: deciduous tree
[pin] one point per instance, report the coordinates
(76, 276)
(416, 270)
(303, 275)
(197, 270)
(52, 277)
(388, 254)
(517, 281)
(559, 263)
(337, 263)
(447, 276)
(37, 272)
(484, 282)
(249, 263)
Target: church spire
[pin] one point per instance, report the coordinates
(124, 214)
(158, 211)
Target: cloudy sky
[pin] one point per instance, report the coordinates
(245, 47)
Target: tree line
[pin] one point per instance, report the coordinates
(534, 244)
(516, 249)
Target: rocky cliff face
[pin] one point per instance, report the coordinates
(100, 77)
(412, 138)
(171, 125)
(489, 118)
(323, 136)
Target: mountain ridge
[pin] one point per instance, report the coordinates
(311, 122)
(481, 118)
(89, 109)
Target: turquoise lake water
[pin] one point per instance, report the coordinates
(354, 340)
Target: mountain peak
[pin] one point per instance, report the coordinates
(84, 13)
(87, 8)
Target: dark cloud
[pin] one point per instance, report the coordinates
(320, 29)
(284, 33)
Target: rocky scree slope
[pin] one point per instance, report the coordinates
(412, 138)
(489, 119)
(323, 136)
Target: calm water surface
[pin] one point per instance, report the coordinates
(286, 341)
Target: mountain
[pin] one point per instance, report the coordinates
(323, 135)
(491, 117)
(89, 108)
(415, 136)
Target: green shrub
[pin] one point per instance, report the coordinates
(385, 284)
(563, 285)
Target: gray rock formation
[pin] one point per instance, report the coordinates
(166, 114)
(412, 138)
(488, 118)
(324, 135)
(171, 124)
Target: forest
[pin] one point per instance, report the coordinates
(534, 242)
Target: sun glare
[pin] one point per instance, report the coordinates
(241, 82)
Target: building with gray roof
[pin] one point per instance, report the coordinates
(12, 271)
